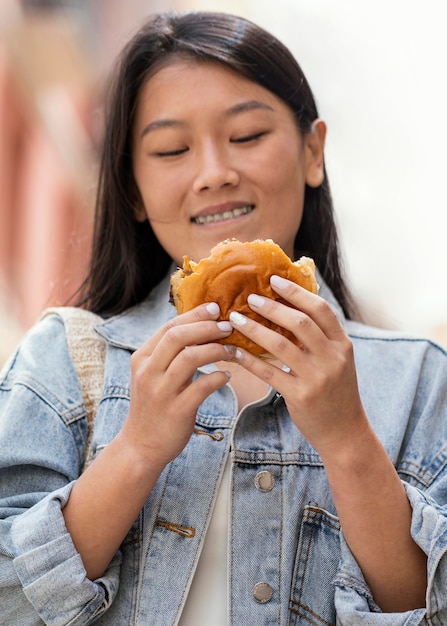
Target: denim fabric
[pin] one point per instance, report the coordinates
(287, 536)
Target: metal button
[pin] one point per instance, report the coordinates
(262, 593)
(264, 481)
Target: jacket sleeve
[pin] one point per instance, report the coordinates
(422, 466)
(42, 445)
(353, 600)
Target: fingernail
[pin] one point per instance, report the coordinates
(239, 355)
(255, 300)
(213, 308)
(230, 349)
(224, 326)
(238, 318)
(278, 282)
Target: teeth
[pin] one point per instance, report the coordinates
(221, 217)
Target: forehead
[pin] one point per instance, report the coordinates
(182, 85)
(177, 65)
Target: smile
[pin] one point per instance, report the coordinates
(221, 217)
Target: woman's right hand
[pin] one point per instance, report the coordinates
(163, 405)
(163, 396)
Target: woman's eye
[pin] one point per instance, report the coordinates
(248, 138)
(168, 153)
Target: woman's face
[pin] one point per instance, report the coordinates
(217, 156)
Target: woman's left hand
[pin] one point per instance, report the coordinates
(323, 400)
(320, 388)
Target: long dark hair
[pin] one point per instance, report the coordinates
(127, 260)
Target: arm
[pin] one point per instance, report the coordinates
(322, 397)
(41, 576)
(375, 516)
(163, 407)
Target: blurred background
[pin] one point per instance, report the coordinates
(377, 70)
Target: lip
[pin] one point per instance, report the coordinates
(220, 209)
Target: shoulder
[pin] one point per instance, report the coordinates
(393, 358)
(42, 363)
(362, 333)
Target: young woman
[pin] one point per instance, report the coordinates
(223, 489)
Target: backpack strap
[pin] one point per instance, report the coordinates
(87, 351)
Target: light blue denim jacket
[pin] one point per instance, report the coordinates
(283, 530)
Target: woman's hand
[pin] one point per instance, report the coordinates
(161, 418)
(164, 398)
(323, 400)
(320, 388)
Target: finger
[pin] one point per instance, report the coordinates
(176, 338)
(207, 311)
(299, 324)
(168, 386)
(181, 370)
(274, 343)
(265, 370)
(318, 309)
(206, 384)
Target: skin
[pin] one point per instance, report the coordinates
(207, 140)
(199, 149)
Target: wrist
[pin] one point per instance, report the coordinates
(135, 457)
(357, 456)
(360, 467)
(350, 445)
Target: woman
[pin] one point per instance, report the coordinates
(222, 488)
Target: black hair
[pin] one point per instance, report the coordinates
(127, 260)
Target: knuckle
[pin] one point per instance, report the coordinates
(349, 345)
(198, 314)
(208, 383)
(189, 354)
(170, 324)
(323, 307)
(342, 360)
(281, 344)
(135, 360)
(271, 305)
(137, 366)
(347, 349)
(302, 321)
(267, 372)
(173, 333)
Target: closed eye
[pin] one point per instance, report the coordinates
(169, 153)
(248, 138)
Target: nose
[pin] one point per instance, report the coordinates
(214, 170)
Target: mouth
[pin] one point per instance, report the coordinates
(223, 216)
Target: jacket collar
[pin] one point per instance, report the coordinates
(131, 328)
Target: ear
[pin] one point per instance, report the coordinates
(314, 150)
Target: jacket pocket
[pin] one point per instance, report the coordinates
(317, 559)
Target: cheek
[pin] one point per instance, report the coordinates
(286, 181)
(160, 194)
(282, 169)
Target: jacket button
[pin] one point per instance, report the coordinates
(262, 592)
(264, 481)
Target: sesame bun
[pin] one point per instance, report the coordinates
(234, 270)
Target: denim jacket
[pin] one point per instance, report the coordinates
(288, 562)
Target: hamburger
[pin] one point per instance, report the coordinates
(231, 272)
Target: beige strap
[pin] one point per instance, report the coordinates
(87, 350)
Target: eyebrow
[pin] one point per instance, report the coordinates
(249, 105)
(241, 107)
(157, 124)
